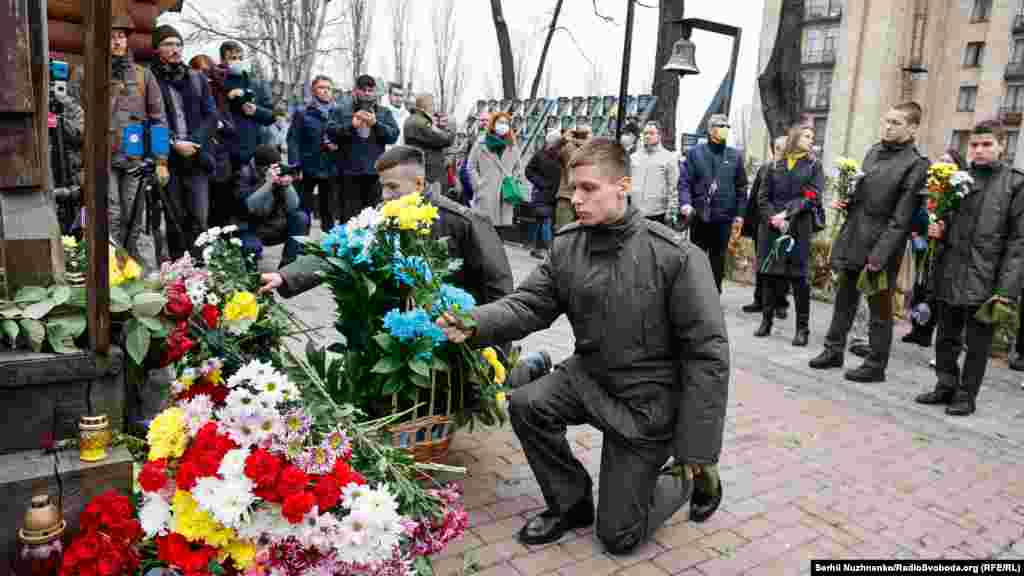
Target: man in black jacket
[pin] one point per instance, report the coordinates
(978, 262)
(430, 133)
(873, 238)
(650, 367)
(485, 272)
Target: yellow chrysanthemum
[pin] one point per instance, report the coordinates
(69, 242)
(131, 269)
(500, 399)
(196, 524)
(491, 356)
(391, 209)
(242, 552)
(116, 276)
(167, 435)
(186, 382)
(242, 306)
(848, 165)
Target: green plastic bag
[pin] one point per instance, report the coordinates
(998, 313)
(871, 283)
(512, 191)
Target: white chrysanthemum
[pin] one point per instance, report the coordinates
(228, 500)
(368, 218)
(233, 464)
(352, 492)
(271, 389)
(195, 287)
(229, 229)
(208, 253)
(203, 239)
(241, 402)
(236, 241)
(380, 504)
(215, 232)
(212, 299)
(266, 520)
(361, 541)
(198, 412)
(155, 515)
(243, 429)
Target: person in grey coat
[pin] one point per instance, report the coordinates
(650, 368)
(873, 238)
(421, 131)
(979, 259)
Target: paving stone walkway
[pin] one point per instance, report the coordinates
(813, 467)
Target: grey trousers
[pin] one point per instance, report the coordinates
(634, 499)
(127, 216)
(845, 310)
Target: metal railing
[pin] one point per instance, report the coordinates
(1014, 70)
(826, 56)
(823, 11)
(1018, 23)
(818, 101)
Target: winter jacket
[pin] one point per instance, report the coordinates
(419, 131)
(878, 218)
(357, 154)
(485, 272)
(306, 144)
(565, 189)
(648, 328)
(708, 163)
(655, 177)
(248, 129)
(263, 206)
(752, 216)
(982, 250)
(277, 136)
(135, 98)
(200, 115)
(545, 173)
(797, 192)
(487, 172)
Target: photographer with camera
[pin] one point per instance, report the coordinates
(136, 106)
(269, 207)
(247, 102)
(66, 124)
(361, 129)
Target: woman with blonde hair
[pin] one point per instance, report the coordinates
(492, 159)
(790, 208)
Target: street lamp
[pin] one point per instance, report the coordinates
(683, 52)
(627, 52)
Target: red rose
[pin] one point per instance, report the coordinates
(346, 475)
(291, 481)
(297, 505)
(810, 194)
(262, 467)
(211, 315)
(179, 306)
(153, 476)
(328, 492)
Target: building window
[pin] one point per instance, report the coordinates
(820, 123)
(982, 10)
(968, 96)
(819, 44)
(1017, 54)
(974, 54)
(817, 89)
(1012, 137)
(959, 141)
(1014, 100)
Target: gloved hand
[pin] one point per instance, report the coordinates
(163, 175)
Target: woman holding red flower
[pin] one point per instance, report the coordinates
(790, 210)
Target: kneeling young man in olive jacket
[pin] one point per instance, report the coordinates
(979, 260)
(650, 368)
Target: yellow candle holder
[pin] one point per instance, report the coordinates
(93, 438)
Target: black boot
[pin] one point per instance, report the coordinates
(803, 330)
(937, 396)
(962, 405)
(802, 301)
(767, 316)
(827, 359)
(550, 526)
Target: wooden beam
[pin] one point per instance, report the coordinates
(97, 174)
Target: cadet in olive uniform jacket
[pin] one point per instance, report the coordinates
(650, 366)
(874, 237)
(485, 272)
(979, 256)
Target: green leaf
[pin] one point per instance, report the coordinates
(72, 326)
(60, 294)
(154, 325)
(147, 304)
(30, 295)
(12, 312)
(117, 294)
(393, 385)
(39, 310)
(36, 332)
(385, 341)
(371, 287)
(133, 287)
(440, 365)
(137, 341)
(60, 341)
(10, 329)
(79, 297)
(387, 365)
(420, 380)
(419, 367)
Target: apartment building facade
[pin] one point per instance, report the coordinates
(962, 60)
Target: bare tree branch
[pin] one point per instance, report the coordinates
(607, 19)
(400, 34)
(360, 13)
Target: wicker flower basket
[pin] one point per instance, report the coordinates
(428, 438)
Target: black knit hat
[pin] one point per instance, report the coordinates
(163, 33)
(266, 155)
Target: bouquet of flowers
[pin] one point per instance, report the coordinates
(108, 543)
(946, 187)
(847, 174)
(387, 276)
(241, 478)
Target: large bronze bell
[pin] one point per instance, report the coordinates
(683, 61)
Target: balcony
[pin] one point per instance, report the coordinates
(1018, 24)
(1011, 115)
(823, 12)
(826, 57)
(1014, 71)
(819, 102)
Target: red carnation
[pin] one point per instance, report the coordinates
(291, 481)
(186, 476)
(346, 474)
(262, 467)
(177, 344)
(179, 306)
(211, 315)
(328, 492)
(810, 194)
(297, 505)
(153, 476)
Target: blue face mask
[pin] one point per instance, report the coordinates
(240, 68)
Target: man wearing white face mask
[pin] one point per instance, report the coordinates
(247, 102)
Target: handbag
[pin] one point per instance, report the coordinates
(512, 189)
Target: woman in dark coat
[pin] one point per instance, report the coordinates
(790, 202)
(545, 173)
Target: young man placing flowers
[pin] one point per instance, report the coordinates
(979, 259)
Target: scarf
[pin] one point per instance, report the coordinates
(176, 76)
(120, 66)
(324, 107)
(793, 158)
(495, 144)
